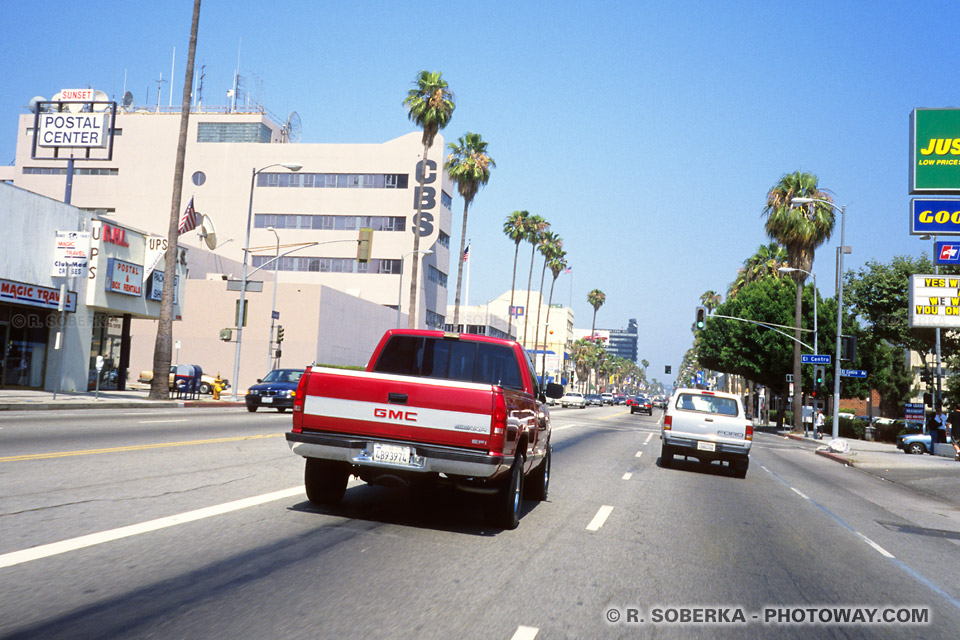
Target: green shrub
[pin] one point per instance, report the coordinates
(851, 428)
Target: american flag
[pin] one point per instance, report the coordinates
(567, 269)
(190, 219)
(466, 253)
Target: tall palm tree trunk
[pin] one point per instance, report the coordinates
(536, 328)
(463, 241)
(543, 371)
(415, 267)
(513, 289)
(163, 346)
(797, 379)
(526, 309)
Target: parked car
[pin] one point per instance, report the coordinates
(206, 381)
(639, 404)
(916, 443)
(573, 399)
(276, 390)
(594, 399)
(607, 398)
(620, 399)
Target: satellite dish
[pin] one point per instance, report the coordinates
(292, 130)
(35, 102)
(127, 100)
(101, 97)
(208, 232)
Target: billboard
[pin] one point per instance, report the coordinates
(936, 217)
(935, 151)
(934, 301)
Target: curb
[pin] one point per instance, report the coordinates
(106, 404)
(836, 457)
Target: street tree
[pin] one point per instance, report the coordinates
(469, 166)
(550, 244)
(536, 226)
(557, 264)
(515, 228)
(430, 106)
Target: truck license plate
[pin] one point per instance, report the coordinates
(391, 454)
(706, 446)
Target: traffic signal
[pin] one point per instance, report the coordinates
(701, 317)
(817, 376)
(226, 335)
(925, 375)
(364, 245)
(667, 369)
(279, 333)
(848, 347)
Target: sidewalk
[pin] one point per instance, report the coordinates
(31, 400)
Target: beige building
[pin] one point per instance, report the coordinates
(310, 217)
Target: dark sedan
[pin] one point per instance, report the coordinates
(639, 404)
(276, 390)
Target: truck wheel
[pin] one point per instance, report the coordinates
(666, 457)
(506, 503)
(325, 481)
(540, 479)
(251, 408)
(740, 469)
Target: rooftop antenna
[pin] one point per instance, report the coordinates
(172, 66)
(159, 85)
(291, 130)
(200, 86)
(127, 101)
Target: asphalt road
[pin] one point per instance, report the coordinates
(193, 524)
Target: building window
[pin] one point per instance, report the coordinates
(436, 276)
(446, 200)
(443, 240)
(336, 181)
(233, 132)
(328, 223)
(62, 171)
(329, 265)
(434, 320)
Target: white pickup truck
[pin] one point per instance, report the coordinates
(708, 426)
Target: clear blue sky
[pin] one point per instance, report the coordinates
(647, 133)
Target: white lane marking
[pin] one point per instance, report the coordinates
(160, 421)
(873, 544)
(627, 475)
(525, 633)
(649, 435)
(799, 493)
(639, 453)
(73, 544)
(600, 518)
(569, 426)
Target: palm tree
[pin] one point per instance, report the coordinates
(163, 345)
(549, 244)
(765, 263)
(515, 227)
(535, 228)
(584, 353)
(469, 166)
(596, 298)
(711, 300)
(644, 363)
(430, 105)
(800, 230)
(557, 264)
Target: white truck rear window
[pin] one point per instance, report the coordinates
(707, 404)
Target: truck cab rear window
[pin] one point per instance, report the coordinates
(707, 404)
(463, 360)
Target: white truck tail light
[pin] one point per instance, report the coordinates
(667, 421)
(749, 435)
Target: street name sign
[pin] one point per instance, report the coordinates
(853, 373)
(810, 358)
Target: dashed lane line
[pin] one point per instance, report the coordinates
(627, 476)
(600, 518)
(649, 435)
(525, 633)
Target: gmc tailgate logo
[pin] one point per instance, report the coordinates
(395, 414)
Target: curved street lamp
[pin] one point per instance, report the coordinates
(292, 166)
(840, 252)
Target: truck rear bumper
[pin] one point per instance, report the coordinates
(722, 450)
(425, 459)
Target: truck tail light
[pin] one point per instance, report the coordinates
(298, 397)
(667, 422)
(498, 424)
(749, 435)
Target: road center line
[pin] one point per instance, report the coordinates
(627, 475)
(600, 518)
(140, 447)
(649, 435)
(56, 548)
(525, 633)
(160, 421)
(639, 453)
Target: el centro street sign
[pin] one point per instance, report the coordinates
(935, 151)
(810, 358)
(938, 217)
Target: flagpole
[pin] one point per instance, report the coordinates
(466, 288)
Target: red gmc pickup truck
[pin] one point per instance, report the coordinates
(430, 406)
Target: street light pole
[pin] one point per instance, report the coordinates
(836, 363)
(273, 307)
(425, 252)
(243, 282)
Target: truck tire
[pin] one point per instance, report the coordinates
(539, 480)
(325, 481)
(666, 456)
(740, 469)
(505, 504)
(251, 408)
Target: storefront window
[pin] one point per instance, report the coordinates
(24, 336)
(106, 341)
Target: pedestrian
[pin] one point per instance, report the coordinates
(941, 423)
(954, 421)
(818, 425)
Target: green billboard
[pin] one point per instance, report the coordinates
(935, 151)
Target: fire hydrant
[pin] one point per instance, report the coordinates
(217, 387)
